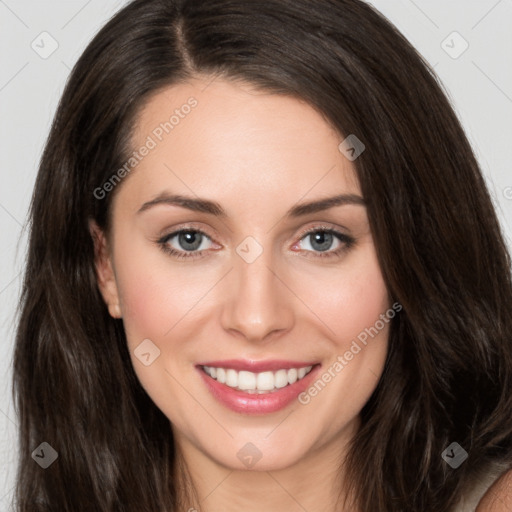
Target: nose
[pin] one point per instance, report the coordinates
(258, 303)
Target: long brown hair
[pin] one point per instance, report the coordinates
(448, 372)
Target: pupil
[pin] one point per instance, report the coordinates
(190, 240)
(323, 239)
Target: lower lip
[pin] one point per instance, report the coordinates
(247, 403)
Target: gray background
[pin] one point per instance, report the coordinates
(478, 81)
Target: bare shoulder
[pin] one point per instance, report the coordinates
(498, 497)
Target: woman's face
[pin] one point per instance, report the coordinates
(262, 284)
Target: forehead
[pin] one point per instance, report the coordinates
(230, 141)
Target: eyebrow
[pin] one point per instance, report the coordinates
(214, 208)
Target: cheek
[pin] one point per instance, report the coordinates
(158, 304)
(348, 298)
(357, 338)
(148, 304)
(155, 295)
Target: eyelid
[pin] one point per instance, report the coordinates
(324, 226)
(164, 239)
(189, 226)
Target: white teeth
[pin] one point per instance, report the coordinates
(246, 380)
(263, 382)
(221, 374)
(292, 375)
(231, 378)
(281, 379)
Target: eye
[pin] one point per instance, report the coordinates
(185, 243)
(325, 242)
(322, 242)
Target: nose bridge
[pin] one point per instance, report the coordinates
(256, 303)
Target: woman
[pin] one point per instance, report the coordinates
(264, 273)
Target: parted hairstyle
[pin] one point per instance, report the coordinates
(447, 376)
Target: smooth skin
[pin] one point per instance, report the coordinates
(498, 497)
(257, 155)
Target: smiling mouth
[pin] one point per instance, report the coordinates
(256, 383)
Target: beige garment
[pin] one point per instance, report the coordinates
(469, 502)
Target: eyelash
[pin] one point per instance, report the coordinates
(346, 240)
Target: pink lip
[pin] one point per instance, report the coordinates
(247, 403)
(257, 366)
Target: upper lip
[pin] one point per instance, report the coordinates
(257, 366)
